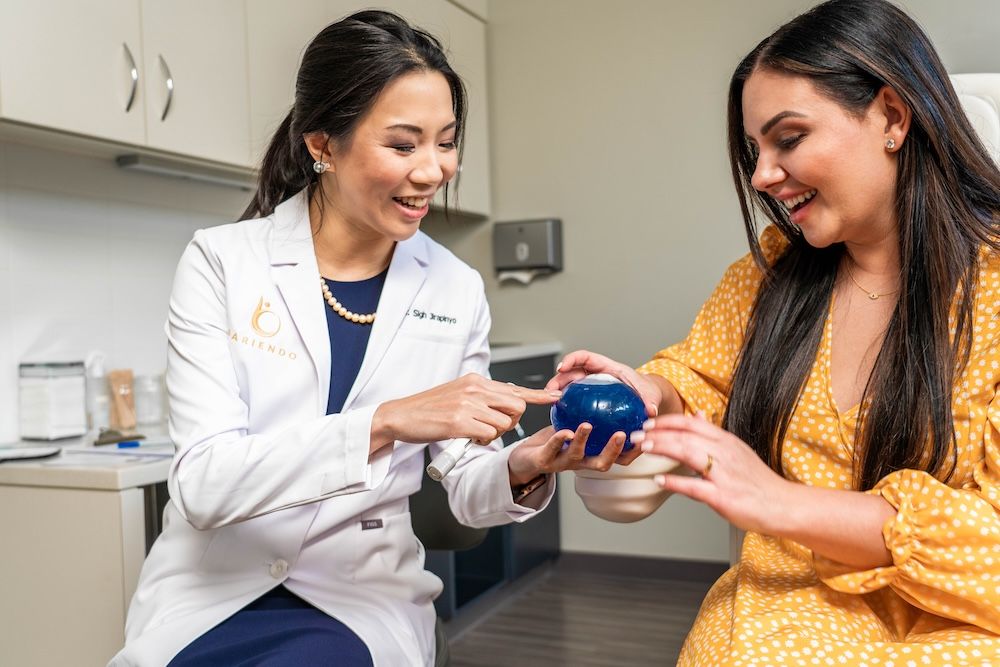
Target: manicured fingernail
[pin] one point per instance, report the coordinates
(555, 392)
(646, 446)
(648, 424)
(559, 367)
(635, 437)
(659, 479)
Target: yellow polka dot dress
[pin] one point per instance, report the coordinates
(939, 602)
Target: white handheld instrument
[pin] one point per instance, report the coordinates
(446, 460)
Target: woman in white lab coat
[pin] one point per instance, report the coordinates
(314, 350)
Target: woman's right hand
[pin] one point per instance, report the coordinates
(470, 407)
(579, 364)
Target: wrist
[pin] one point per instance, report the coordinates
(670, 400)
(382, 432)
(795, 515)
(520, 472)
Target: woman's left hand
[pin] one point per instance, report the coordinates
(731, 478)
(544, 453)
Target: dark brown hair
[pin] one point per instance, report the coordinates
(947, 204)
(343, 70)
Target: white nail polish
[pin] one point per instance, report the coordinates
(659, 479)
(646, 446)
(648, 424)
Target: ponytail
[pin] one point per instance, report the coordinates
(285, 170)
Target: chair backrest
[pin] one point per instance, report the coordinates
(980, 97)
(434, 524)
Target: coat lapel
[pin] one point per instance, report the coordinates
(407, 272)
(295, 271)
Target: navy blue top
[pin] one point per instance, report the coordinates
(348, 340)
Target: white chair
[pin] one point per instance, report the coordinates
(980, 97)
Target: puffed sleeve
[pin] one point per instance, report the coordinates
(944, 541)
(700, 368)
(478, 488)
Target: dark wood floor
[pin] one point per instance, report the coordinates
(567, 618)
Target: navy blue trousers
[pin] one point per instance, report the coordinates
(278, 629)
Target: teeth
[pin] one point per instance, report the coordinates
(795, 201)
(415, 202)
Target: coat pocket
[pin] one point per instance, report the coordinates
(390, 559)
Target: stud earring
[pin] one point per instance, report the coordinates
(319, 166)
(890, 144)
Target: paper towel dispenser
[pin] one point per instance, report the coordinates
(528, 245)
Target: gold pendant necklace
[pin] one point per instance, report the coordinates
(340, 309)
(874, 296)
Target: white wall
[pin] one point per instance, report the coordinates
(87, 256)
(611, 115)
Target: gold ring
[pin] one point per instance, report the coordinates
(708, 466)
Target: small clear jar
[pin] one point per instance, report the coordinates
(150, 407)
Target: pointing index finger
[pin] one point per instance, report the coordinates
(535, 396)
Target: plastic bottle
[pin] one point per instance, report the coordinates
(98, 398)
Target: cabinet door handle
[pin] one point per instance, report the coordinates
(170, 86)
(534, 377)
(134, 73)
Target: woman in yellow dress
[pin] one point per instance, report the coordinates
(838, 391)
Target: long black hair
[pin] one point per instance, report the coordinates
(343, 70)
(947, 204)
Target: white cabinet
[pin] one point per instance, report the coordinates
(75, 531)
(277, 38)
(73, 66)
(464, 37)
(102, 69)
(196, 78)
(478, 8)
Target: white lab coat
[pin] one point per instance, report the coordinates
(265, 487)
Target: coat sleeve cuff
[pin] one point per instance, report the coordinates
(357, 471)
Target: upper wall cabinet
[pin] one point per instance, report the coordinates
(464, 37)
(477, 7)
(73, 66)
(196, 78)
(277, 38)
(165, 74)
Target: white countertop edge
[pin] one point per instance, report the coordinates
(75, 467)
(91, 474)
(524, 351)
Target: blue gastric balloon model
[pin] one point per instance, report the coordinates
(605, 403)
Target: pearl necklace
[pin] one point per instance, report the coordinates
(339, 307)
(871, 295)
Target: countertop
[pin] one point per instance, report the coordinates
(80, 465)
(501, 352)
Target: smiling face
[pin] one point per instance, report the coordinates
(829, 168)
(380, 181)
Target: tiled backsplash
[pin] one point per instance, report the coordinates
(87, 257)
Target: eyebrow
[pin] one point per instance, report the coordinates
(416, 130)
(766, 127)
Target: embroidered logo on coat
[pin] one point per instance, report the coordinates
(264, 321)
